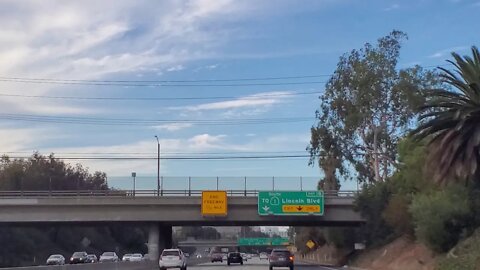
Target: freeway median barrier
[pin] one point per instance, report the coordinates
(147, 265)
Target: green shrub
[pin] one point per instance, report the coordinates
(341, 237)
(397, 215)
(465, 256)
(441, 217)
(371, 202)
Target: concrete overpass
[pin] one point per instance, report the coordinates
(160, 213)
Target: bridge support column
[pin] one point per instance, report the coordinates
(159, 238)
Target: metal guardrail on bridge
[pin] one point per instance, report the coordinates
(146, 193)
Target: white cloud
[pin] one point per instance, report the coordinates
(392, 7)
(207, 141)
(214, 66)
(173, 126)
(91, 39)
(175, 68)
(23, 139)
(260, 100)
(445, 52)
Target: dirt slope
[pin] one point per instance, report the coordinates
(401, 254)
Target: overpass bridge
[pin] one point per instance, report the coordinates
(160, 213)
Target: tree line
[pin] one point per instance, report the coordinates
(411, 138)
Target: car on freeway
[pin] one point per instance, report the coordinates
(136, 257)
(56, 259)
(172, 258)
(199, 256)
(244, 256)
(91, 258)
(224, 256)
(234, 257)
(126, 257)
(216, 257)
(263, 256)
(187, 254)
(78, 257)
(280, 258)
(249, 256)
(108, 257)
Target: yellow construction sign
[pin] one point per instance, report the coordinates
(301, 208)
(310, 244)
(214, 203)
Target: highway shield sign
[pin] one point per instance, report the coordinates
(290, 203)
(214, 203)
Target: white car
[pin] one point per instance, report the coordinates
(108, 257)
(56, 259)
(172, 258)
(249, 256)
(126, 257)
(244, 256)
(263, 256)
(136, 257)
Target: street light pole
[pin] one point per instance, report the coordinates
(158, 166)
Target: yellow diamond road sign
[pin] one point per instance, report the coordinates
(310, 244)
(214, 203)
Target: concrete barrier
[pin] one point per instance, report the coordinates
(147, 265)
(91, 266)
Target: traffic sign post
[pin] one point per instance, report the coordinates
(290, 203)
(214, 203)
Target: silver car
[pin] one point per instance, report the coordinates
(108, 257)
(136, 257)
(172, 258)
(56, 259)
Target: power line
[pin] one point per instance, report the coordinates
(176, 83)
(252, 97)
(158, 84)
(177, 158)
(291, 77)
(149, 122)
(164, 152)
(168, 81)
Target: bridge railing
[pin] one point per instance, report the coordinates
(146, 193)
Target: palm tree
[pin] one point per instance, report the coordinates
(450, 121)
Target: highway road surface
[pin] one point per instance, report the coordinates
(254, 264)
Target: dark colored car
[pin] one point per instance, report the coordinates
(234, 257)
(281, 258)
(217, 257)
(91, 258)
(78, 257)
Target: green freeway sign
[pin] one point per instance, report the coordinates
(290, 203)
(263, 241)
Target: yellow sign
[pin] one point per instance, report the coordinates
(310, 244)
(214, 203)
(301, 208)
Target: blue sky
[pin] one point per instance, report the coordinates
(197, 40)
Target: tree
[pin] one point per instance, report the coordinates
(367, 106)
(47, 173)
(450, 121)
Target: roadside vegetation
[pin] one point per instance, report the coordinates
(411, 137)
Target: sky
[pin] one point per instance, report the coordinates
(102, 78)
